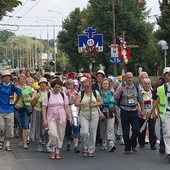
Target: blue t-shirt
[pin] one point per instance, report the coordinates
(5, 92)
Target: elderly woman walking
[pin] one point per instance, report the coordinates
(88, 101)
(21, 113)
(55, 109)
(37, 129)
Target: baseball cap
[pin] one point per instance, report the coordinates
(166, 70)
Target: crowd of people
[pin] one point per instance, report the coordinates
(84, 110)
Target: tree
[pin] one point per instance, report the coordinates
(7, 6)
(129, 18)
(68, 37)
(25, 51)
(164, 24)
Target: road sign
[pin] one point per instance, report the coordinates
(115, 60)
(89, 39)
(114, 52)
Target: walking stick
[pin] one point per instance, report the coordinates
(90, 68)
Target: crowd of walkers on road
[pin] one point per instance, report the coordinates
(83, 110)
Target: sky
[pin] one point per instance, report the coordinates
(36, 12)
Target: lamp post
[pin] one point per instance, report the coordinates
(54, 54)
(47, 38)
(163, 46)
(62, 17)
(114, 35)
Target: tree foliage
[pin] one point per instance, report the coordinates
(7, 6)
(129, 18)
(164, 24)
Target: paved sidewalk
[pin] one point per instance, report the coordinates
(8, 161)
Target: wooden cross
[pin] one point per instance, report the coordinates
(124, 69)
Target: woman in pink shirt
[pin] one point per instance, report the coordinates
(56, 110)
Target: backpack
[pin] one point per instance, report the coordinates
(94, 93)
(137, 89)
(49, 93)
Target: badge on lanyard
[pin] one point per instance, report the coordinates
(11, 99)
(147, 104)
(131, 99)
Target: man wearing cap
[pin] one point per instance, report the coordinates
(161, 81)
(7, 102)
(162, 102)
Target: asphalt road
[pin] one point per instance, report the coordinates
(144, 159)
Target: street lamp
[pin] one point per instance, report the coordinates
(58, 13)
(163, 46)
(54, 42)
(47, 38)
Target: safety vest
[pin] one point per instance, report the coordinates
(162, 101)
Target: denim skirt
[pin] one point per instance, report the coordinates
(22, 118)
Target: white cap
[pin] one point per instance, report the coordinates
(6, 73)
(114, 79)
(42, 79)
(101, 72)
(80, 74)
(166, 70)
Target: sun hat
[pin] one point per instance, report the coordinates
(101, 72)
(6, 73)
(166, 70)
(42, 79)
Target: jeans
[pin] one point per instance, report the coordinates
(130, 118)
(162, 144)
(72, 131)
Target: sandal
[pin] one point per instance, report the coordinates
(58, 156)
(85, 153)
(7, 148)
(52, 155)
(91, 155)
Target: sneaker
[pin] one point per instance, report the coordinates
(20, 143)
(162, 150)
(122, 142)
(48, 149)
(153, 148)
(146, 140)
(112, 149)
(76, 149)
(104, 145)
(68, 147)
(25, 146)
(39, 149)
